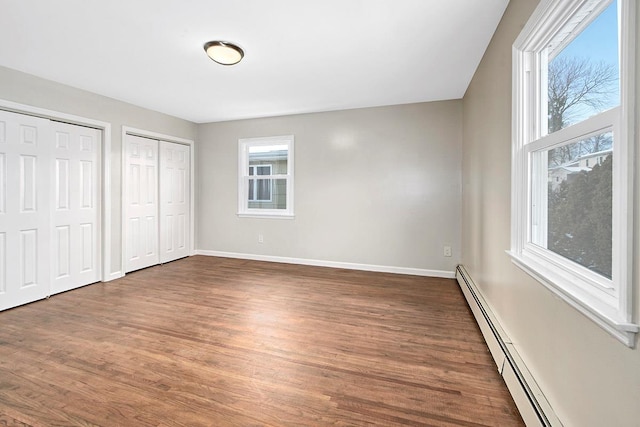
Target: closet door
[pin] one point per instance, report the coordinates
(141, 203)
(175, 201)
(76, 207)
(24, 209)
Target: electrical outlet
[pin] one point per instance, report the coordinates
(447, 251)
(260, 238)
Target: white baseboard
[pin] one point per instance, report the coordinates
(531, 402)
(333, 264)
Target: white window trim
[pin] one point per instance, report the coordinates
(611, 309)
(243, 177)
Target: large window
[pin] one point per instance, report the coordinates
(572, 156)
(265, 181)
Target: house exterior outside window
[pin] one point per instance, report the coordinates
(260, 189)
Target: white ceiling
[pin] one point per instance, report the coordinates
(300, 55)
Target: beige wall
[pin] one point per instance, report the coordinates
(30, 90)
(590, 378)
(376, 186)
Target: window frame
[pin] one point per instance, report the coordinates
(609, 307)
(244, 144)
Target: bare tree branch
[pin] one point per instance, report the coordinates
(574, 82)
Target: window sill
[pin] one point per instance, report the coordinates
(266, 215)
(623, 331)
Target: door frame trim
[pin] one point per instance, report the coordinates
(127, 130)
(105, 160)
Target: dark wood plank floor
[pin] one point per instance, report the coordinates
(220, 342)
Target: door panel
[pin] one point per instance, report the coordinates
(76, 242)
(175, 202)
(24, 208)
(141, 195)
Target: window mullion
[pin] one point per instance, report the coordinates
(591, 126)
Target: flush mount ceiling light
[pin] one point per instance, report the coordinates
(224, 53)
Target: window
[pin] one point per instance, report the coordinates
(572, 166)
(265, 181)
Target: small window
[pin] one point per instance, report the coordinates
(265, 181)
(572, 172)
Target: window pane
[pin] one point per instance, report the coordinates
(583, 75)
(263, 190)
(274, 155)
(268, 194)
(265, 160)
(579, 202)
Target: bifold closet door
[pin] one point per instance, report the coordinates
(141, 199)
(175, 201)
(24, 209)
(49, 208)
(75, 239)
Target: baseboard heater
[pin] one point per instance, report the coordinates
(533, 406)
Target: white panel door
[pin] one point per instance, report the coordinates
(24, 209)
(141, 203)
(175, 201)
(75, 231)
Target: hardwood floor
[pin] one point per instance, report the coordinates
(220, 342)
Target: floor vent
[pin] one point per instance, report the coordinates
(531, 403)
